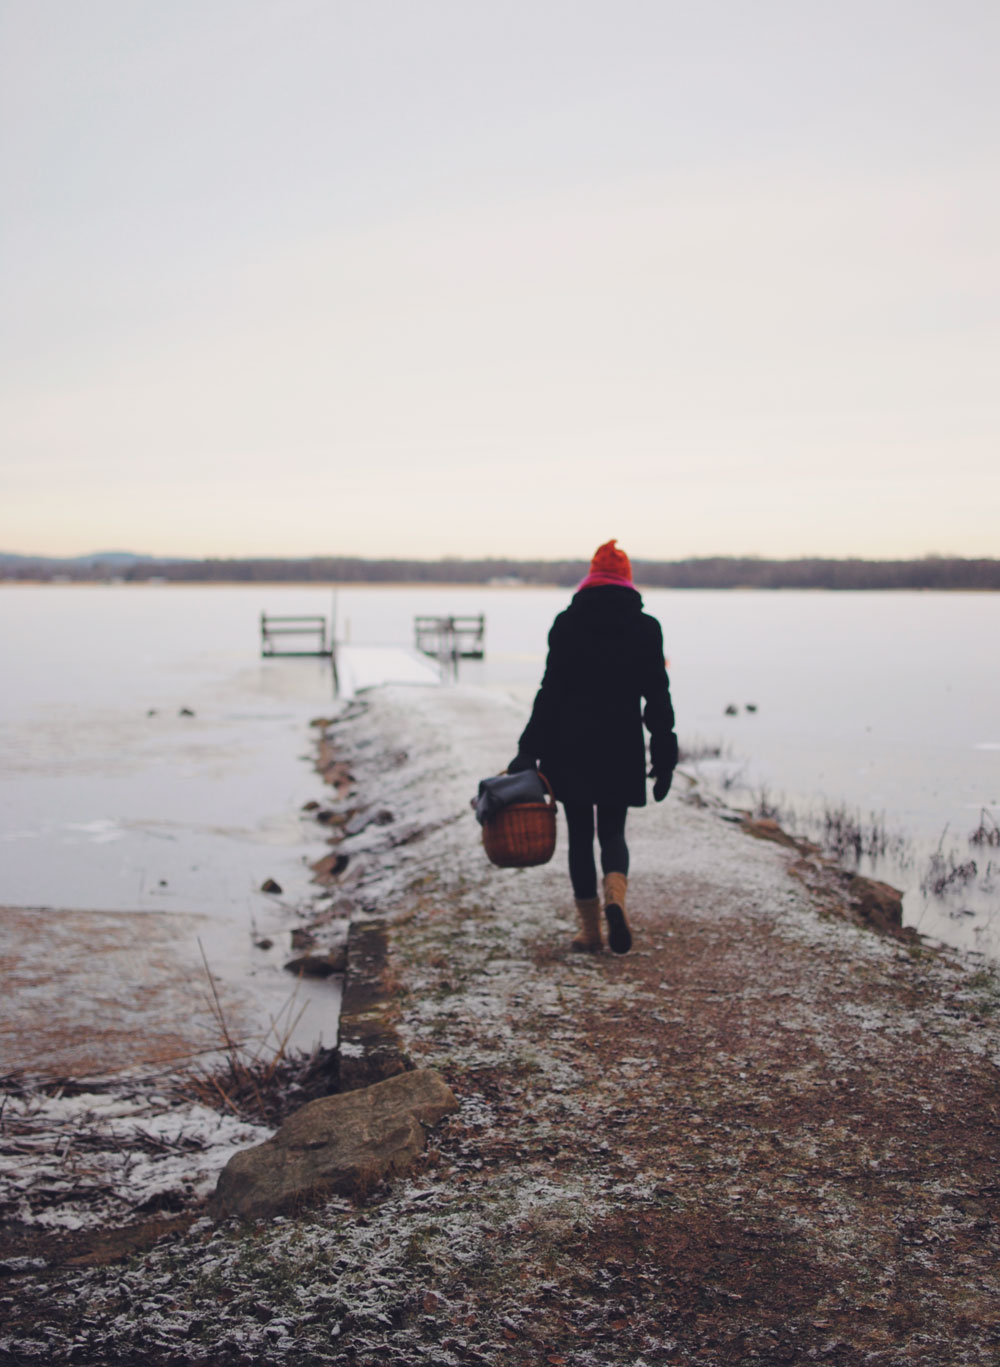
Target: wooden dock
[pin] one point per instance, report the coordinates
(447, 640)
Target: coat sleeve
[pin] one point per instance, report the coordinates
(658, 713)
(539, 728)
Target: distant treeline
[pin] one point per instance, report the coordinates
(714, 572)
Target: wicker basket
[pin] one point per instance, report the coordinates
(523, 834)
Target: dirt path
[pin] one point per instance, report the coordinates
(771, 1152)
(765, 1136)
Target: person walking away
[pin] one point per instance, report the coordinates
(605, 676)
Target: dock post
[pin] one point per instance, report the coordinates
(333, 645)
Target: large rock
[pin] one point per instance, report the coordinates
(878, 905)
(342, 1143)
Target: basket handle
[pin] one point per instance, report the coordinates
(548, 787)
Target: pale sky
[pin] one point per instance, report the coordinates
(500, 277)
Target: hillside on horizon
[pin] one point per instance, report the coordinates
(705, 572)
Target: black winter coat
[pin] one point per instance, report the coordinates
(605, 657)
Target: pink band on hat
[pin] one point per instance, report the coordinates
(596, 580)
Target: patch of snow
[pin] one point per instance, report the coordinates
(74, 1162)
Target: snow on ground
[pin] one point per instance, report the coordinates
(411, 1275)
(93, 1158)
(419, 754)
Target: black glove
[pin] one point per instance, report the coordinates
(521, 761)
(663, 753)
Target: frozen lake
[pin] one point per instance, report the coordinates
(114, 802)
(111, 799)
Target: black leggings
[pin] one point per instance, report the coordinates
(610, 835)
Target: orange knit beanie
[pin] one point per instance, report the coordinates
(609, 560)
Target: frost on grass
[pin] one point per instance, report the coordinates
(96, 1157)
(405, 1273)
(763, 1136)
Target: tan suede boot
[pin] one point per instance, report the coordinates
(590, 940)
(619, 934)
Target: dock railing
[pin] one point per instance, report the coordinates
(450, 639)
(274, 630)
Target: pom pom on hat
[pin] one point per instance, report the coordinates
(609, 568)
(611, 562)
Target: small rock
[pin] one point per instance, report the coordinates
(357, 823)
(325, 816)
(732, 710)
(310, 806)
(269, 885)
(331, 865)
(339, 908)
(185, 712)
(319, 965)
(366, 817)
(264, 943)
(751, 707)
(302, 938)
